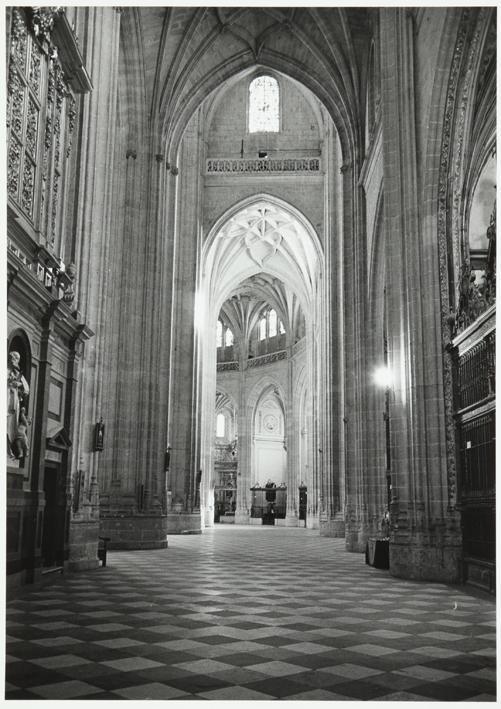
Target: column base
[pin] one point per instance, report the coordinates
(184, 523)
(312, 522)
(82, 565)
(242, 517)
(135, 531)
(426, 562)
(208, 517)
(333, 527)
(83, 544)
(358, 531)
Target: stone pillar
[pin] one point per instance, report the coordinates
(99, 28)
(355, 362)
(424, 542)
(184, 399)
(331, 404)
(244, 482)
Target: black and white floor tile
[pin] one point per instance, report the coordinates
(244, 613)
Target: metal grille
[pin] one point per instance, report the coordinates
(476, 372)
(478, 457)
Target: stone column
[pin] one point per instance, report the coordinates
(291, 437)
(355, 363)
(244, 482)
(184, 403)
(424, 538)
(332, 402)
(99, 29)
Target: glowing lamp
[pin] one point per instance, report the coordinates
(383, 377)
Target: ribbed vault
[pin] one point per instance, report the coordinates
(263, 237)
(198, 49)
(243, 309)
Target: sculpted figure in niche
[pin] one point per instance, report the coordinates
(17, 393)
(20, 445)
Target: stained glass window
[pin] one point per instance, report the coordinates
(264, 105)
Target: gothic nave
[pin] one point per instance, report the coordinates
(251, 271)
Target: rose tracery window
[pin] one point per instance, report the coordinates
(264, 105)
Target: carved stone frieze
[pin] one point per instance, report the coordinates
(13, 167)
(460, 140)
(71, 107)
(266, 359)
(447, 131)
(227, 366)
(32, 128)
(42, 21)
(34, 75)
(476, 296)
(19, 35)
(16, 100)
(246, 166)
(27, 193)
(53, 216)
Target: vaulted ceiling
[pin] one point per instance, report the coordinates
(185, 53)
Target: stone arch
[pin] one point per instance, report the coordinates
(172, 134)
(250, 201)
(218, 94)
(267, 388)
(19, 341)
(266, 384)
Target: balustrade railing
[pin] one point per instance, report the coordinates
(262, 165)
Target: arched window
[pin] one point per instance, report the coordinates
(281, 328)
(272, 323)
(220, 425)
(262, 329)
(219, 334)
(264, 114)
(228, 338)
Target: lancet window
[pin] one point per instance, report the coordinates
(264, 105)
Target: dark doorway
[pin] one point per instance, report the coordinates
(54, 517)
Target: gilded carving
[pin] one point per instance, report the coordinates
(32, 128)
(16, 96)
(27, 193)
(55, 194)
(71, 117)
(13, 167)
(19, 35)
(42, 21)
(35, 68)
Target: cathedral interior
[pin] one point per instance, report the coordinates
(251, 273)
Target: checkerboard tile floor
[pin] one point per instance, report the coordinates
(243, 613)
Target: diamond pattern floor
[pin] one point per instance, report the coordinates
(243, 613)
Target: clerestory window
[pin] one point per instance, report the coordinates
(264, 105)
(220, 426)
(224, 335)
(270, 325)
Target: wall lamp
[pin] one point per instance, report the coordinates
(383, 377)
